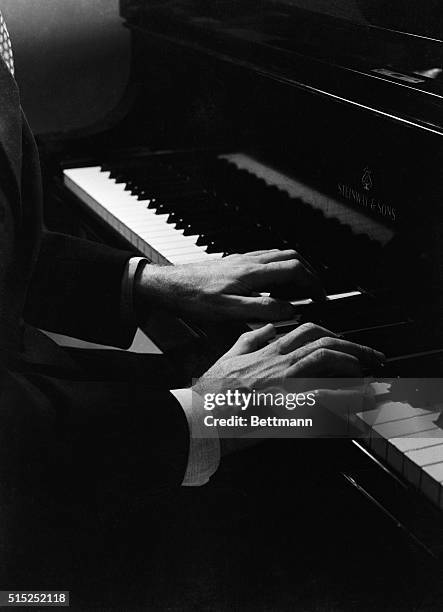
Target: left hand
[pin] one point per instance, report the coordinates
(228, 288)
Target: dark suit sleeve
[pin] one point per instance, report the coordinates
(76, 290)
(111, 439)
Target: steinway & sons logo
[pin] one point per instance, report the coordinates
(366, 179)
(364, 199)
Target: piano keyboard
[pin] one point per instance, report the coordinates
(158, 240)
(167, 212)
(409, 440)
(169, 217)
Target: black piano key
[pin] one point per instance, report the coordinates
(417, 366)
(182, 206)
(351, 315)
(164, 185)
(188, 215)
(149, 179)
(336, 280)
(397, 340)
(215, 247)
(198, 221)
(184, 203)
(167, 195)
(195, 228)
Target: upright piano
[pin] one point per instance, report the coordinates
(291, 124)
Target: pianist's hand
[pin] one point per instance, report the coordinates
(310, 351)
(228, 288)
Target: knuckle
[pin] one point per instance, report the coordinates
(248, 269)
(266, 302)
(246, 336)
(307, 328)
(325, 342)
(322, 354)
(279, 346)
(275, 347)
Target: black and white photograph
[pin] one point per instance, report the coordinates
(221, 305)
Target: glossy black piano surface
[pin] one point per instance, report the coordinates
(350, 105)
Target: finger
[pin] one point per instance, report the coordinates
(290, 271)
(262, 252)
(306, 263)
(252, 341)
(325, 362)
(304, 334)
(277, 255)
(289, 254)
(365, 354)
(261, 308)
(270, 255)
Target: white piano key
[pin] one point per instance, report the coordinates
(415, 460)
(304, 302)
(431, 483)
(214, 255)
(183, 251)
(144, 217)
(165, 241)
(178, 239)
(381, 434)
(179, 258)
(160, 232)
(397, 447)
(390, 411)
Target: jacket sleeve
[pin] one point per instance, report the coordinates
(112, 438)
(76, 290)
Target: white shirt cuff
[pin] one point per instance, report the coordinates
(127, 295)
(204, 453)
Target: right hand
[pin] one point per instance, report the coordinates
(309, 351)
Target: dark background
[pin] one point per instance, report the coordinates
(72, 60)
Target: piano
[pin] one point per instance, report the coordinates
(289, 124)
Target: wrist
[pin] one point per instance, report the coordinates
(149, 287)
